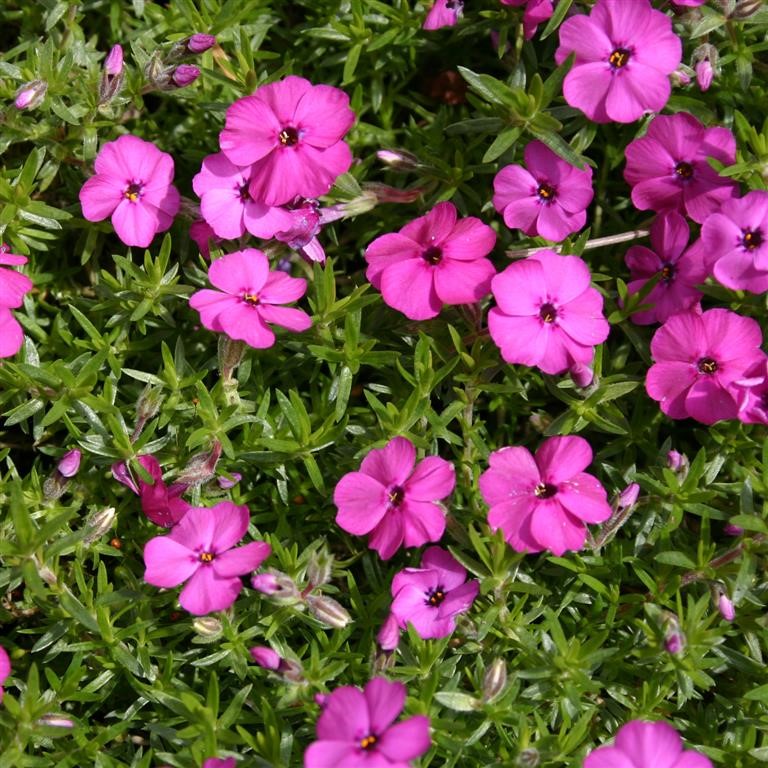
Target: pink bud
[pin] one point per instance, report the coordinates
(266, 657)
(399, 159)
(200, 42)
(732, 530)
(184, 75)
(582, 375)
(680, 78)
(704, 74)
(229, 482)
(725, 606)
(215, 762)
(30, 95)
(265, 583)
(389, 634)
(328, 611)
(113, 64)
(628, 497)
(677, 461)
(674, 642)
(69, 464)
(275, 583)
(121, 473)
(321, 699)
(56, 721)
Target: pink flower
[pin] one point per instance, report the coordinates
(668, 169)
(725, 607)
(393, 500)
(132, 185)
(641, 744)
(305, 220)
(753, 403)
(699, 358)
(434, 260)
(548, 197)
(355, 729)
(5, 668)
(69, 463)
(544, 501)
(113, 64)
(13, 287)
(536, 12)
(735, 240)
(625, 52)
(291, 132)
(199, 550)
(215, 762)
(226, 204)
(249, 298)
(443, 13)
(388, 637)
(265, 657)
(681, 270)
(161, 503)
(547, 315)
(431, 596)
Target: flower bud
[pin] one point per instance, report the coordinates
(113, 64)
(725, 606)
(184, 75)
(582, 375)
(674, 642)
(398, 159)
(99, 524)
(732, 530)
(201, 467)
(275, 583)
(383, 193)
(528, 758)
(704, 74)
(319, 568)
(680, 77)
(199, 42)
(495, 680)
(321, 699)
(229, 482)
(328, 611)
(208, 627)
(69, 464)
(388, 637)
(745, 8)
(30, 95)
(230, 353)
(56, 721)
(265, 657)
(628, 497)
(678, 462)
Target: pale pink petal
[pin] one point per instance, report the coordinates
(512, 472)
(555, 529)
(287, 173)
(205, 592)
(13, 287)
(361, 501)
(241, 560)
(323, 115)
(295, 320)
(668, 383)
(636, 91)
(567, 277)
(388, 249)
(459, 599)
(11, 259)
(521, 288)
(345, 716)
(408, 286)
(582, 319)
(99, 196)
(265, 221)
(662, 193)
(406, 740)
(523, 214)
(691, 759)
(392, 464)
(580, 34)
(555, 224)
(470, 239)
(681, 338)
(560, 458)
(243, 322)
(514, 516)
(385, 702)
(463, 282)
(422, 580)
(196, 530)
(168, 562)
(736, 270)
(387, 537)
(210, 304)
(585, 498)
(217, 172)
(512, 184)
(730, 336)
(609, 757)
(434, 478)
(656, 744)
(283, 97)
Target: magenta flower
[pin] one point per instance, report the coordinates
(249, 298)
(625, 52)
(13, 287)
(227, 206)
(132, 185)
(355, 729)
(393, 500)
(681, 270)
(640, 744)
(668, 169)
(548, 197)
(215, 762)
(432, 596)
(201, 551)
(547, 315)
(699, 360)
(69, 463)
(544, 501)
(443, 13)
(291, 132)
(305, 220)
(433, 260)
(5, 668)
(536, 12)
(753, 402)
(736, 242)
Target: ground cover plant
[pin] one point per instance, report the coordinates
(383, 383)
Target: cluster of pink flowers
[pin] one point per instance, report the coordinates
(13, 287)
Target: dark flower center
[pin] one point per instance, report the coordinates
(368, 742)
(546, 192)
(753, 238)
(683, 170)
(432, 255)
(396, 496)
(544, 491)
(251, 298)
(206, 557)
(619, 58)
(667, 273)
(453, 5)
(548, 313)
(436, 597)
(244, 193)
(289, 136)
(133, 191)
(707, 365)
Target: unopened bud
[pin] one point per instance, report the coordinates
(321, 699)
(745, 8)
(184, 75)
(113, 64)
(30, 95)
(201, 467)
(199, 42)
(678, 462)
(69, 464)
(725, 605)
(528, 758)
(276, 584)
(681, 76)
(385, 194)
(265, 657)
(328, 611)
(388, 637)
(112, 76)
(398, 159)
(149, 402)
(208, 627)
(628, 497)
(674, 642)
(286, 668)
(495, 680)
(229, 481)
(582, 375)
(704, 74)
(319, 568)
(99, 524)
(732, 530)
(56, 721)
(230, 353)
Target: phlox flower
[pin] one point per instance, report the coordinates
(201, 551)
(227, 205)
(736, 242)
(132, 185)
(305, 220)
(13, 287)
(547, 315)
(547, 197)
(544, 501)
(443, 13)
(433, 260)
(291, 133)
(5, 668)
(395, 499)
(431, 597)
(356, 729)
(681, 270)
(668, 169)
(641, 744)
(625, 52)
(215, 762)
(753, 400)
(536, 12)
(249, 298)
(699, 360)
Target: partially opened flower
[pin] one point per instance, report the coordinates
(547, 197)
(431, 597)
(641, 744)
(544, 501)
(433, 260)
(699, 360)
(624, 54)
(547, 313)
(305, 219)
(395, 499)
(668, 168)
(250, 297)
(132, 185)
(536, 12)
(291, 133)
(680, 270)
(357, 729)
(5, 668)
(443, 13)
(201, 551)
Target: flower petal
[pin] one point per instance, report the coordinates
(168, 563)
(205, 593)
(241, 560)
(361, 501)
(406, 740)
(385, 702)
(345, 716)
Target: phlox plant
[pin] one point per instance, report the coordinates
(383, 384)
